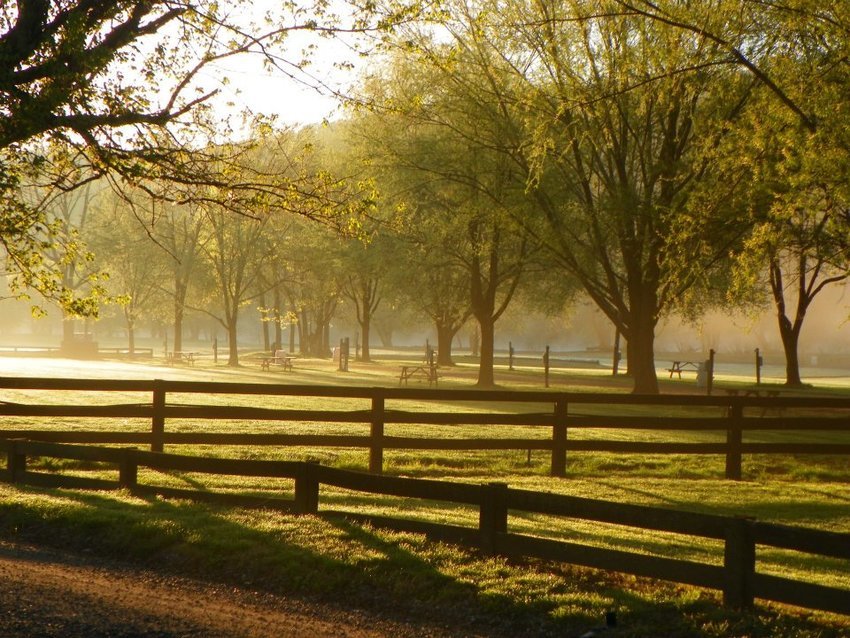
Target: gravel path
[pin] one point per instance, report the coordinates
(51, 594)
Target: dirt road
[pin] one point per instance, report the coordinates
(50, 594)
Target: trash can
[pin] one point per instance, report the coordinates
(702, 374)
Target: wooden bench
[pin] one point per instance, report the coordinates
(679, 367)
(428, 372)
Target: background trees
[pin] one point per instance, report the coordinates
(121, 89)
(578, 109)
(634, 148)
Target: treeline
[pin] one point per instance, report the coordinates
(657, 158)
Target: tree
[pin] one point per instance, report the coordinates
(178, 234)
(314, 285)
(135, 264)
(459, 192)
(362, 286)
(797, 248)
(117, 88)
(235, 250)
(614, 146)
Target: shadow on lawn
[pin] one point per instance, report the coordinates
(330, 559)
(396, 576)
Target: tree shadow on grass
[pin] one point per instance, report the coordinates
(398, 576)
(323, 558)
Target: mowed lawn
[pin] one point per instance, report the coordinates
(324, 557)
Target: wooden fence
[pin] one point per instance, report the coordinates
(737, 577)
(557, 415)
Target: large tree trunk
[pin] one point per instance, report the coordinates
(365, 325)
(445, 336)
(641, 345)
(790, 334)
(641, 361)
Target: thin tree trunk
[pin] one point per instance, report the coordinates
(486, 378)
(178, 325)
(131, 336)
(365, 326)
(233, 346)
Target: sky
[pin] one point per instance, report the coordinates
(272, 92)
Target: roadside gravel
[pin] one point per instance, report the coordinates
(49, 593)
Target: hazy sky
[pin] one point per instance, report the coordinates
(272, 91)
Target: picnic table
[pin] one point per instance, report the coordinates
(679, 367)
(279, 358)
(427, 371)
(182, 356)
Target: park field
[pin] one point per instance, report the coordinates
(331, 556)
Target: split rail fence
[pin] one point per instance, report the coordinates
(737, 577)
(555, 415)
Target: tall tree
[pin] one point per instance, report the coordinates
(459, 192)
(234, 250)
(614, 146)
(135, 265)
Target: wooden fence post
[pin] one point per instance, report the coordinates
(734, 439)
(128, 469)
(739, 562)
(158, 420)
(16, 462)
(307, 489)
(493, 515)
(376, 436)
(559, 439)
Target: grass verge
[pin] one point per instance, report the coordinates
(329, 558)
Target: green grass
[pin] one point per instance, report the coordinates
(335, 559)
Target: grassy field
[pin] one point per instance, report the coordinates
(316, 556)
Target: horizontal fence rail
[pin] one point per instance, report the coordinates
(555, 413)
(737, 577)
